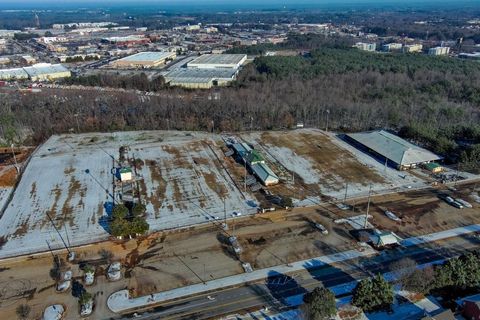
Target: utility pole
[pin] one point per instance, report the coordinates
(368, 207)
(456, 175)
(78, 125)
(225, 213)
(346, 190)
(245, 182)
(15, 159)
(60, 235)
(66, 233)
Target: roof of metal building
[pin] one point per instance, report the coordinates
(264, 172)
(148, 56)
(199, 75)
(44, 68)
(221, 59)
(393, 147)
(14, 73)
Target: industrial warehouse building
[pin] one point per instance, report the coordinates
(200, 78)
(218, 61)
(47, 72)
(207, 71)
(37, 72)
(13, 74)
(392, 149)
(144, 60)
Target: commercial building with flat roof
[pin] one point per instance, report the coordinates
(412, 48)
(13, 74)
(218, 61)
(144, 60)
(47, 72)
(200, 78)
(392, 47)
(392, 149)
(439, 51)
(366, 46)
(37, 72)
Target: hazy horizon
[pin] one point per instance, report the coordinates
(226, 5)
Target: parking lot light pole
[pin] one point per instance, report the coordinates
(14, 158)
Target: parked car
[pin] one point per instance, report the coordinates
(451, 201)
(247, 267)
(322, 228)
(114, 271)
(464, 203)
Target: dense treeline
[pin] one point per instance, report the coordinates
(432, 100)
(136, 81)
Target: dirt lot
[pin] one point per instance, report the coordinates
(314, 165)
(168, 260)
(422, 212)
(331, 162)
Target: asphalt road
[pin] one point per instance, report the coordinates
(274, 290)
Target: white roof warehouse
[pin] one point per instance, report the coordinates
(37, 72)
(145, 59)
(396, 150)
(218, 61)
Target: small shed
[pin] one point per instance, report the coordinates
(125, 174)
(265, 174)
(434, 167)
(384, 239)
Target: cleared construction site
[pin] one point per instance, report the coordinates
(284, 196)
(184, 179)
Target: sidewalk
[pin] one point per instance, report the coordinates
(119, 301)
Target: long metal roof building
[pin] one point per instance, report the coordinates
(218, 61)
(397, 150)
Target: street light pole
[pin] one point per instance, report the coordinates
(14, 158)
(245, 182)
(78, 125)
(368, 207)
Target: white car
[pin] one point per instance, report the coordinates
(236, 214)
(64, 285)
(247, 267)
(464, 203)
(114, 271)
(322, 229)
(68, 275)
